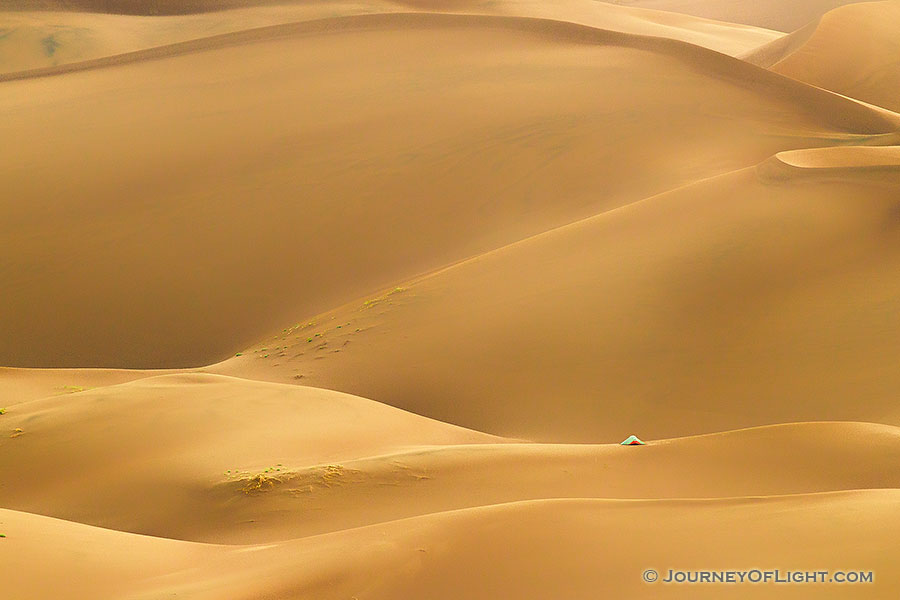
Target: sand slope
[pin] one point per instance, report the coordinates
(18, 385)
(772, 14)
(774, 51)
(243, 188)
(534, 550)
(148, 456)
(49, 558)
(165, 443)
(137, 7)
(762, 296)
(853, 50)
(32, 38)
(218, 459)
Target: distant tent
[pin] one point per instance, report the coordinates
(633, 440)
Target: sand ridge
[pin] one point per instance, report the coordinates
(225, 460)
(659, 316)
(464, 128)
(772, 14)
(852, 50)
(847, 157)
(30, 39)
(424, 554)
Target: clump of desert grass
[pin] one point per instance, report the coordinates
(72, 389)
(260, 483)
(376, 301)
(306, 480)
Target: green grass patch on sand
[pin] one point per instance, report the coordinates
(382, 298)
(50, 45)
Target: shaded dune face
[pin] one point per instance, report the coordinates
(720, 300)
(135, 7)
(270, 198)
(772, 14)
(852, 50)
(769, 13)
(31, 38)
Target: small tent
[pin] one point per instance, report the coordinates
(632, 440)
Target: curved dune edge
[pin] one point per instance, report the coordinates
(148, 8)
(846, 161)
(767, 55)
(218, 459)
(22, 384)
(772, 14)
(730, 11)
(753, 248)
(865, 164)
(853, 51)
(717, 63)
(563, 30)
(531, 550)
(496, 169)
(79, 36)
(846, 157)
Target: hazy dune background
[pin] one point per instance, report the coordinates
(32, 38)
(854, 51)
(355, 300)
(772, 14)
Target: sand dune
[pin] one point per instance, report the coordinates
(49, 558)
(354, 299)
(21, 385)
(31, 38)
(137, 7)
(541, 549)
(171, 437)
(241, 186)
(174, 437)
(772, 14)
(718, 301)
(217, 459)
(853, 50)
(847, 160)
(772, 52)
